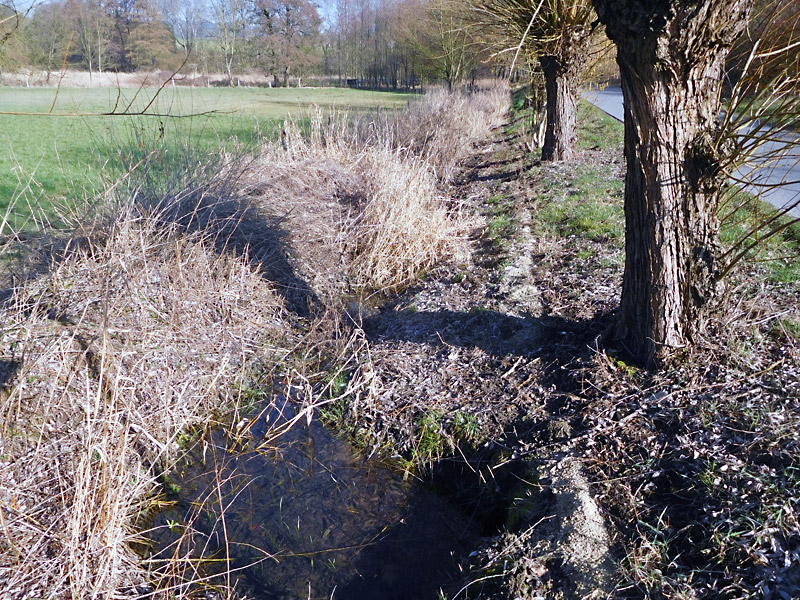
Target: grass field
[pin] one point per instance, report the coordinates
(65, 156)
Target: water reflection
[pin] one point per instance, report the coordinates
(309, 518)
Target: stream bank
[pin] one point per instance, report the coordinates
(484, 372)
(457, 378)
(616, 482)
(490, 376)
(470, 377)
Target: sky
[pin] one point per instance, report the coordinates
(326, 8)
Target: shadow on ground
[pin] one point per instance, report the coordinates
(237, 227)
(8, 369)
(497, 334)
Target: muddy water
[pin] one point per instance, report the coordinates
(307, 517)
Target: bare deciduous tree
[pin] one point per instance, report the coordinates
(289, 31)
(92, 26)
(230, 25)
(184, 18)
(671, 57)
(558, 35)
(47, 36)
(454, 50)
(12, 51)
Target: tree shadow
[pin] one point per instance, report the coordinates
(506, 176)
(500, 162)
(551, 346)
(496, 333)
(239, 227)
(235, 224)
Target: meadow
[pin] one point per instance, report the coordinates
(60, 148)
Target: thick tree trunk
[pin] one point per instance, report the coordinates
(560, 134)
(671, 196)
(671, 57)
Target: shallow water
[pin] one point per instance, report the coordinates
(307, 517)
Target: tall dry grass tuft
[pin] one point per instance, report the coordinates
(366, 196)
(131, 337)
(440, 128)
(404, 225)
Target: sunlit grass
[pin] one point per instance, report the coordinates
(598, 130)
(590, 206)
(48, 159)
(753, 227)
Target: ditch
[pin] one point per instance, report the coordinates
(307, 516)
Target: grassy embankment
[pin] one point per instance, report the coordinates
(695, 466)
(180, 297)
(53, 160)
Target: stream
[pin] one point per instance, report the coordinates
(305, 516)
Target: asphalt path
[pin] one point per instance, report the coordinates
(777, 162)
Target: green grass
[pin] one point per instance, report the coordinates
(501, 221)
(588, 204)
(598, 130)
(745, 227)
(433, 442)
(47, 160)
(525, 117)
(500, 228)
(590, 209)
(519, 98)
(787, 328)
(785, 270)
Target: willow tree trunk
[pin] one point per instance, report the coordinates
(671, 56)
(560, 135)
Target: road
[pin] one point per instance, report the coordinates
(783, 172)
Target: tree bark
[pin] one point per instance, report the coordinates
(560, 134)
(671, 56)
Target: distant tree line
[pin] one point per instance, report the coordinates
(401, 43)
(390, 44)
(121, 35)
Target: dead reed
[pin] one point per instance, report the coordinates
(367, 195)
(143, 322)
(133, 336)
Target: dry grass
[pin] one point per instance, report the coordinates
(404, 227)
(81, 79)
(140, 325)
(366, 197)
(133, 336)
(443, 127)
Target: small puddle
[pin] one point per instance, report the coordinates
(307, 517)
